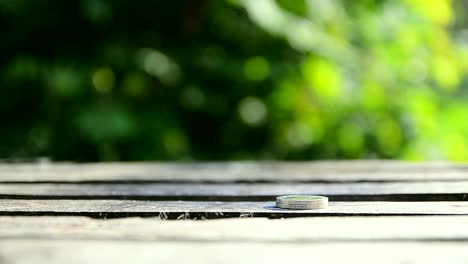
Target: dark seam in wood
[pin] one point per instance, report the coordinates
(254, 181)
(416, 197)
(208, 215)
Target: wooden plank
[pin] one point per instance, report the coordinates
(174, 209)
(298, 230)
(326, 171)
(241, 191)
(37, 251)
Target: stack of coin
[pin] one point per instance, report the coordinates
(302, 202)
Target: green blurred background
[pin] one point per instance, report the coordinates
(96, 80)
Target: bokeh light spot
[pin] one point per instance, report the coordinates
(300, 135)
(455, 147)
(103, 80)
(63, 81)
(256, 69)
(436, 11)
(445, 72)
(192, 98)
(372, 95)
(161, 66)
(351, 140)
(252, 111)
(324, 78)
(135, 84)
(175, 143)
(389, 136)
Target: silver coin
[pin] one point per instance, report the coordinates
(304, 202)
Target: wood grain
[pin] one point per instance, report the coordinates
(297, 230)
(240, 191)
(190, 210)
(326, 171)
(36, 251)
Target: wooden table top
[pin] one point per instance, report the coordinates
(379, 212)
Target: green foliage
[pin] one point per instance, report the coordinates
(305, 79)
(376, 79)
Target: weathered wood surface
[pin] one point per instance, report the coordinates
(41, 208)
(190, 210)
(36, 251)
(327, 171)
(255, 191)
(297, 230)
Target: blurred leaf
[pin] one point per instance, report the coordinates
(297, 7)
(105, 122)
